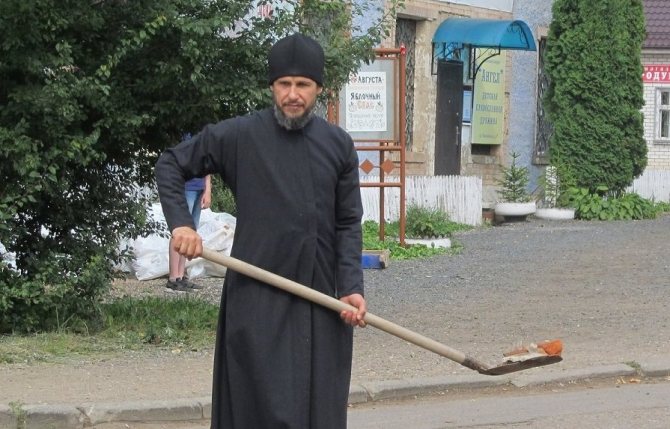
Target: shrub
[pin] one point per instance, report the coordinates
(424, 222)
(56, 296)
(604, 206)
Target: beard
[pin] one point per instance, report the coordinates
(292, 124)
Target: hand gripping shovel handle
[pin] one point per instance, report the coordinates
(370, 319)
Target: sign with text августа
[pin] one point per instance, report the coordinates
(368, 102)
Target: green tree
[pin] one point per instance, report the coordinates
(92, 91)
(595, 92)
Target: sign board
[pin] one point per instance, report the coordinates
(365, 102)
(368, 102)
(488, 110)
(656, 73)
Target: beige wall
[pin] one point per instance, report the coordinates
(420, 161)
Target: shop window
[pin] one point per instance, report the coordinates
(481, 149)
(543, 128)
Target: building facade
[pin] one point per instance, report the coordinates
(656, 82)
(416, 26)
(525, 130)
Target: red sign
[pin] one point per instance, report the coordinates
(657, 73)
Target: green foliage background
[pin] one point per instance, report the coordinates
(92, 92)
(595, 92)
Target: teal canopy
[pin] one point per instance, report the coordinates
(454, 33)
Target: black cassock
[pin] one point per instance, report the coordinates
(280, 361)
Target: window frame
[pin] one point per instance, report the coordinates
(658, 114)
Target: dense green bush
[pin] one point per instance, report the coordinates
(53, 297)
(594, 99)
(92, 92)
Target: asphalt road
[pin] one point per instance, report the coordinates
(603, 404)
(623, 406)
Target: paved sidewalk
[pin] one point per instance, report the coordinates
(197, 410)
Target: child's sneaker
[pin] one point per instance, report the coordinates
(189, 284)
(176, 285)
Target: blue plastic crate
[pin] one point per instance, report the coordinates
(375, 259)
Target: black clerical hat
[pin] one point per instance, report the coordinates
(296, 55)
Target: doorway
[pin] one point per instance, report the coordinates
(448, 117)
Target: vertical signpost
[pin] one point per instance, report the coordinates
(372, 109)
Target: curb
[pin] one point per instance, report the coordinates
(63, 416)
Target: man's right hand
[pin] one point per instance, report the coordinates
(186, 242)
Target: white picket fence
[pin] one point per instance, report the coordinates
(653, 184)
(459, 196)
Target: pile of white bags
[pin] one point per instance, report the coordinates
(8, 258)
(151, 252)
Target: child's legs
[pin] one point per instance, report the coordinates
(194, 201)
(176, 262)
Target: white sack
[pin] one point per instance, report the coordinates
(151, 252)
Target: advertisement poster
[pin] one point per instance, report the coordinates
(488, 107)
(365, 102)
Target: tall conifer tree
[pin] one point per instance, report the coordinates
(595, 92)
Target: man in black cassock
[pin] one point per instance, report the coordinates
(280, 361)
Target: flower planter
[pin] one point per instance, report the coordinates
(430, 242)
(515, 209)
(511, 212)
(555, 213)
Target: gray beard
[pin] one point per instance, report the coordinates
(292, 123)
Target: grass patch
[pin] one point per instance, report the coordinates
(50, 347)
(128, 324)
(421, 222)
(161, 321)
(412, 251)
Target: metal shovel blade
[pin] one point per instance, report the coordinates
(508, 367)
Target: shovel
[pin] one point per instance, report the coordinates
(336, 305)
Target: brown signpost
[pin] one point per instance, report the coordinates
(376, 125)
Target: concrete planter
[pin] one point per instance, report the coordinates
(513, 212)
(430, 242)
(515, 209)
(555, 213)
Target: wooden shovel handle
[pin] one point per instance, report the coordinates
(338, 306)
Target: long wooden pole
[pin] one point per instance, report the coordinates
(339, 306)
